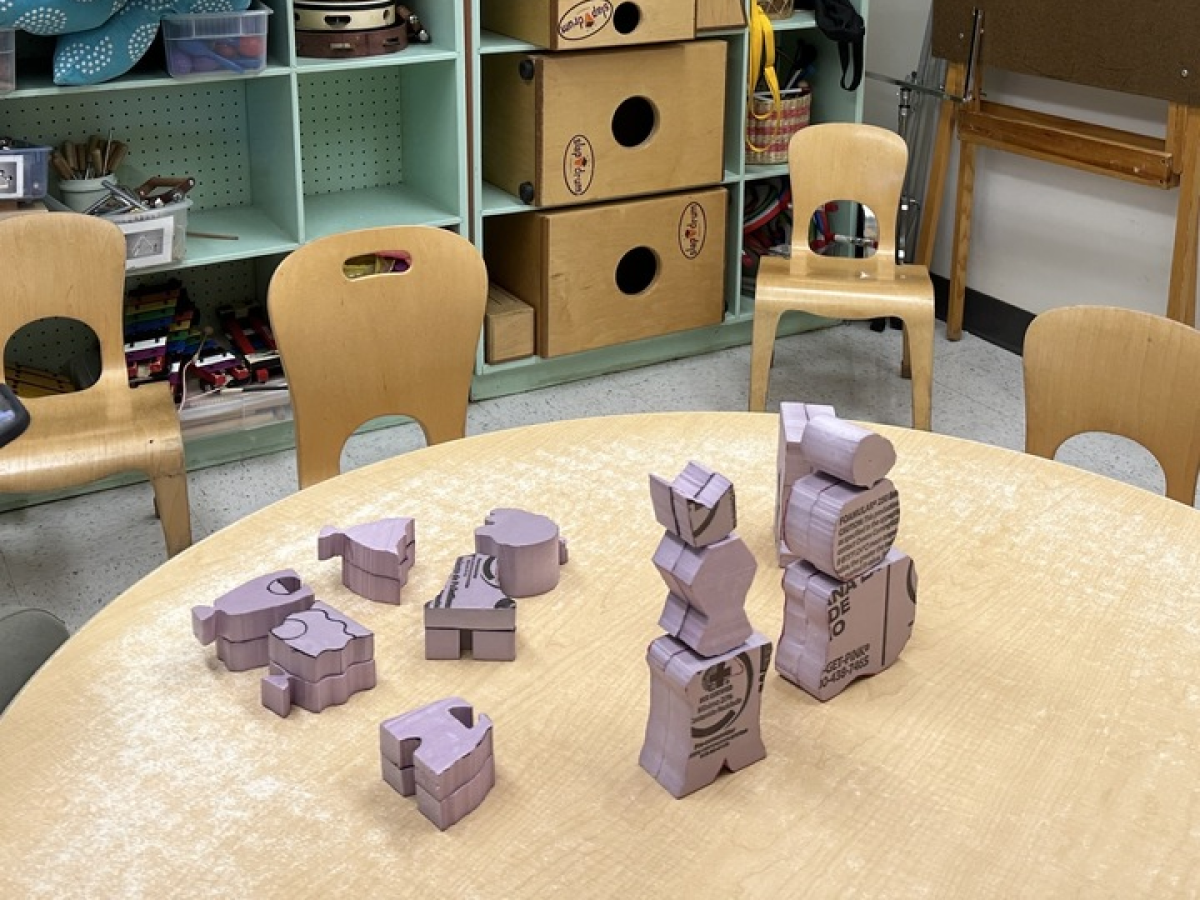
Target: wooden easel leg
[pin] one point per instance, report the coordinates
(964, 199)
(1181, 295)
(935, 188)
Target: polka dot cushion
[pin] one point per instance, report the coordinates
(112, 49)
(57, 16)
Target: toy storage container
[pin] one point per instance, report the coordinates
(621, 271)
(155, 237)
(572, 25)
(23, 168)
(571, 128)
(215, 44)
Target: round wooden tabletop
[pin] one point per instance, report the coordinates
(1038, 736)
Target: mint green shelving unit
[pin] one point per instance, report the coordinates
(311, 147)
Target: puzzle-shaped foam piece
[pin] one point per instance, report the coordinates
(319, 658)
(472, 598)
(706, 605)
(836, 632)
(704, 712)
(438, 753)
(847, 451)
(240, 620)
(698, 506)
(376, 556)
(840, 528)
(483, 645)
(527, 548)
(790, 462)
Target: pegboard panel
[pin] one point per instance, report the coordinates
(351, 129)
(53, 344)
(191, 130)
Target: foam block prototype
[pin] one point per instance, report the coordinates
(442, 756)
(835, 632)
(318, 658)
(527, 548)
(376, 556)
(790, 462)
(704, 712)
(240, 620)
(706, 604)
(471, 612)
(698, 506)
(841, 528)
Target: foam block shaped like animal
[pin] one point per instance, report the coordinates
(376, 556)
(443, 756)
(528, 550)
(241, 620)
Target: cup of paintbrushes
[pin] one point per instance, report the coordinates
(85, 171)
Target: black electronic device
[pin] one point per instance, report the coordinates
(14, 417)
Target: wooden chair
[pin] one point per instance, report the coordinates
(862, 163)
(1120, 371)
(399, 343)
(71, 266)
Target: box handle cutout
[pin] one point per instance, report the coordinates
(381, 262)
(634, 121)
(627, 17)
(637, 271)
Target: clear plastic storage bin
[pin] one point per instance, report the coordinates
(155, 237)
(22, 170)
(215, 44)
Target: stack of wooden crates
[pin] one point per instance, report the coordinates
(616, 135)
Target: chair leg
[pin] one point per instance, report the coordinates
(918, 336)
(761, 349)
(171, 500)
(906, 358)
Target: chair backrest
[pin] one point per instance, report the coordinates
(846, 161)
(71, 266)
(1120, 371)
(27, 638)
(399, 343)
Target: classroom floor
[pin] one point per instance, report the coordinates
(74, 556)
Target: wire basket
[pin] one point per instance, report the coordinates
(768, 134)
(777, 9)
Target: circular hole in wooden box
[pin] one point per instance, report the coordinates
(637, 270)
(633, 121)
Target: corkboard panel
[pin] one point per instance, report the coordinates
(1136, 48)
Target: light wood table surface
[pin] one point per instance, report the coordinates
(1039, 737)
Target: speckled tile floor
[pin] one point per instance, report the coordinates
(74, 556)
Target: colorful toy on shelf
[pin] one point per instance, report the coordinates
(442, 756)
(248, 332)
(318, 658)
(158, 319)
(376, 556)
(850, 596)
(706, 677)
(790, 463)
(241, 620)
(528, 550)
(472, 613)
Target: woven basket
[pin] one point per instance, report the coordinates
(777, 9)
(767, 135)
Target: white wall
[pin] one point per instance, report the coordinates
(1043, 235)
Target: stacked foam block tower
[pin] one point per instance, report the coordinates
(850, 595)
(707, 672)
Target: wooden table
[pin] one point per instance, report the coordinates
(1040, 735)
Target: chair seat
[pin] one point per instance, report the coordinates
(844, 295)
(67, 444)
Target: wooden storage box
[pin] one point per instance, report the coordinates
(579, 127)
(616, 272)
(572, 25)
(507, 327)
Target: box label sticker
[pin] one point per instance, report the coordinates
(578, 165)
(12, 176)
(583, 20)
(693, 230)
